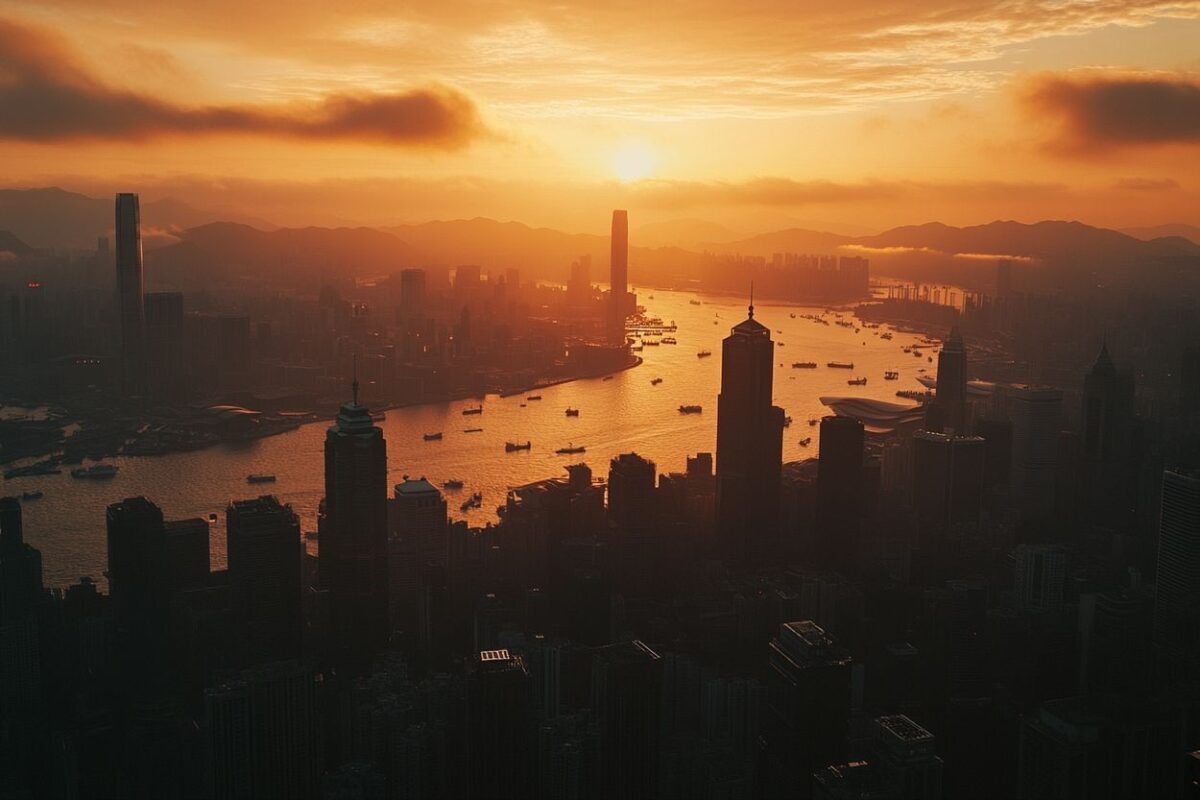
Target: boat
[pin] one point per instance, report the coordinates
(917, 354)
(475, 501)
(649, 342)
(840, 365)
(793, 316)
(704, 354)
(378, 416)
(434, 437)
(857, 381)
(31, 495)
(572, 412)
(812, 421)
(656, 381)
(570, 449)
(260, 477)
(607, 377)
(534, 397)
(512, 447)
(886, 336)
(806, 441)
(472, 430)
(41, 468)
(476, 410)
(891, 375)
(694, 302)
(212, 517)
(690, 409)
(453, 483)
(787, 421)
(669, 340)
(804, 365)
(779, 344)
(95, 472)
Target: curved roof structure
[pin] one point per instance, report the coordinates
(224, 412)
(974, 388)
(880, 416)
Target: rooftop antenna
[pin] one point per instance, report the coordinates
(751, 299)
(354, 385)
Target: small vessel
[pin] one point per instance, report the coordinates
(694, 302)
(656, 381)
(472, 430)
(887, 337)
(434, 437)
(260, 477)
(475, 501)
(690, 409)
(787, 422)
(31, 495)
(891, 375)
(476, 410)
(534, 397)
(650, 342)
(453, 483)
(779, 343)
(95, 472)
(840, 365)
(857, 381)
(41, 468)
(669, 340)
(793, 316)
(812, 421)
(608, 377)
(570, 449)
(704, 354)
(512, 447)
(804, 365)
(917, 353)
(212, 517)
(378, 416)
(572, 412)
(806, 441)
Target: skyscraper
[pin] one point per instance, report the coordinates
(130, 308)
(619, 279)
(353, 535)
(950, 405)
(948, 478)
(1109, 445)
(265, 574)
(631, 480)
(1177, 601)
(749, 443)
(164, 342)
(839, 489)
(1037, 420)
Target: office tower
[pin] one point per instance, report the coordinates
(1115, 630)
(164, 343)
(948, 475)
(263, 731)
(619, 277)
(412, 292)
(631, 480)
(808, 705)
(353, 535)
(136, 555)
(907, 755)
(1039, 577)
(839, 490)
(467, 276)
(949, 407)
(579, 288)
(499, 698)
(1036, 413)
(417, 539)
(626, 697)
(187, 554)
(1109, 454)
(512, 279)
(20, 565)
(1177, 601)
(130, 310)
(264, 549)
(749, 444)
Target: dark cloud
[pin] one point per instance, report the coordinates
(46, 94)
(1147, 184)
(1102, 110)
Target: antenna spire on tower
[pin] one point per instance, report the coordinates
(354, 385)
(751, 299)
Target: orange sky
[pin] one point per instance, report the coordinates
(851, 116)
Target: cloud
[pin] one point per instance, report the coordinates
(1102, 110)
(1147, 184)
(47, 94)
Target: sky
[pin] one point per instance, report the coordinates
(850, 116)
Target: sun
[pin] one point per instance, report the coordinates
(633, 161)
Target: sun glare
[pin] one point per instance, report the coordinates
(633, 161)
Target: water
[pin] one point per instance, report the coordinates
(619, 415)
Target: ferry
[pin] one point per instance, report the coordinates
(453, 483)
(571, 449)
(857, 382)
(534, 397)
(475, 501)
(258, 477)
(95, 472)
(787, 422)
(690, 409)
(649, 342)
(806, 441)
(512, 447)
(694, 302)
(472, 430)
(476, 410)
(793, 316)
(911, 394)
(812, 421)
(656, 381)
(891, 375)
(669, 340)
(804, 365)
(840, 365)
(572, 412)
(434, 437)
(31, 495)
(704, 354)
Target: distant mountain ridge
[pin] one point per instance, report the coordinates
(11, 244)
(1175, 229)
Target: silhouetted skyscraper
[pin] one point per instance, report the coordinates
(353, 535)
(948, 478)
(1110, 465)
(619, 277)
(631, 492)
(749, 443)
(627, 696)
(164, 342)
(265, 574)
(1037, 420)
(839, 490)
(499, 703)
(1177, 600)
(130, 307)
(950, 405)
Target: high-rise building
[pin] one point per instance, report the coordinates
(187, 554)
(907, 755)
(499, 704)
(1109, 479)
(164, 343)
(948, 412)
(749, 443)
(412, 292)
(631, 481)
(130, 309)
(626, 696)
(619, 277)
(948, 476)
(264, 549)
(1036, 413)
(417, 539)
(1177, 599)
(353, 535)
(839, 489)
(1039, 577)
(20, 564)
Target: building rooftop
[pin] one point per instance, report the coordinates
(898, 726)
(418, 486)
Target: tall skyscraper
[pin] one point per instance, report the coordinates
(839, 490)
(499, 702)
(1177, 600)
(948, 479)
(627, 696)
(130, 308)
(631, 480)
(1039, 577)
(417, 539)
(353, 535)
(265, 574)
(619, 279)
(1110, 463)
(1037, 420)
(164, 342)
(749, 443)
(950, 405)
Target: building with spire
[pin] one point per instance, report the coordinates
(130, 303)
(749, 443)
(948, 413)
(619, 278)
(1110, 445)
(353, 536)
